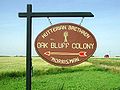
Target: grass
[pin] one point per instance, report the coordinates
(84, 80)
(106, 61)
(86, 76)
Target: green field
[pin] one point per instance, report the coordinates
(95, 74)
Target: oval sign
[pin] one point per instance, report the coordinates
(65, 44)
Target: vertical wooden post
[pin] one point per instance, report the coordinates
(28, 48)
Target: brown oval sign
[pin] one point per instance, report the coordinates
(65, 44)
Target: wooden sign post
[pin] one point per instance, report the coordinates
(29, 15)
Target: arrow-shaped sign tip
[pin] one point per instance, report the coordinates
(82, 54)
(47, 53)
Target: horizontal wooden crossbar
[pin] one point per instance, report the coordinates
(57, 14)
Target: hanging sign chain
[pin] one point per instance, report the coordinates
(49, 20)
(81, 20)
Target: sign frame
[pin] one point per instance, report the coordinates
(29, 15)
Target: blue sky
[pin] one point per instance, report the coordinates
(105, 25)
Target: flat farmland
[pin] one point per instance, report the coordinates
(95, 74)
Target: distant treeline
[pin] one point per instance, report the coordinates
(5, 56)
(35, 56)
(24, 56)
(17, 56)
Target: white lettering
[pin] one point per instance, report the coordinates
(65, 61)
(54, 29)
(82, 46)
(77, 29)
(59, 45)
(42, 45)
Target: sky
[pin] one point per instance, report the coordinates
(105, 25)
